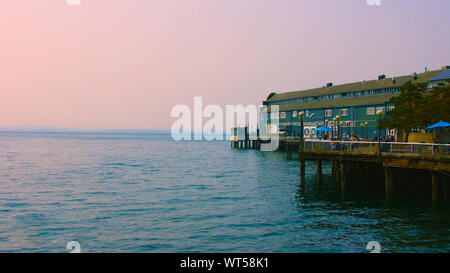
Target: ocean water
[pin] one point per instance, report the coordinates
(148, 193)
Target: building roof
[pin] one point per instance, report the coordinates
(354, 101)
(445, 75)
(356, 86)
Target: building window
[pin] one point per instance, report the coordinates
(283, 115)
(294, 114)
(328, 113)
(391, 132)
(392, 107)
(370, 111)
(380, 109)
(343, 112)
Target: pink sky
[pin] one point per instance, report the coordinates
(124, 64)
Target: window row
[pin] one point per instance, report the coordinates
(339, 95)
(342, 112)
(329, 112)
(373, 110)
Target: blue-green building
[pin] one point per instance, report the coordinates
(356, 104)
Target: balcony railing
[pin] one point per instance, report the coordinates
(362, 147)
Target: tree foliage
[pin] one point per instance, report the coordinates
(417, 107)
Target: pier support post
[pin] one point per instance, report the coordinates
(337, 174)
(319, 171)
(333, 167)
(445, 188)
(302, 173)
(388, 185)
(434, 187)
(342, 176)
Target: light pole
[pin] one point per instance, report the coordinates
(348, 127)
(379, 114)
(362, 127)
(366, 124)
(337, 118)
(302, 139)
(333, 126)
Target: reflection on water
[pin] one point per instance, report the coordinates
(147, 193)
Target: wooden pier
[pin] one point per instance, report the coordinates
(395, 168)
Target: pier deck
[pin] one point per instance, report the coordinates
(390, 162)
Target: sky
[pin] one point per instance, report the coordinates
(117, 64)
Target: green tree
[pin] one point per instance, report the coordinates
(409, 106)
(417, 107)
(437, 105)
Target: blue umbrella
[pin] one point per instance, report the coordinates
(438, 126)
(323, 128)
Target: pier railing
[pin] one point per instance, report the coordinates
(362, 147)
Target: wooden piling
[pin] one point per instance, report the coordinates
(434, 187)
(337, 174)
(302, 172)
(388, 184)
(342, 173)
(445, 188)
(319, 171)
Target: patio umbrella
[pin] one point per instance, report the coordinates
(438, 126)
(323, 129)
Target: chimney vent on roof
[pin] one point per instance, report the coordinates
(330, 84)
(382, 77)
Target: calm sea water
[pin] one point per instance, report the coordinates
(148, 193)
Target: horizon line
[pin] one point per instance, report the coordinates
(64, 130)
